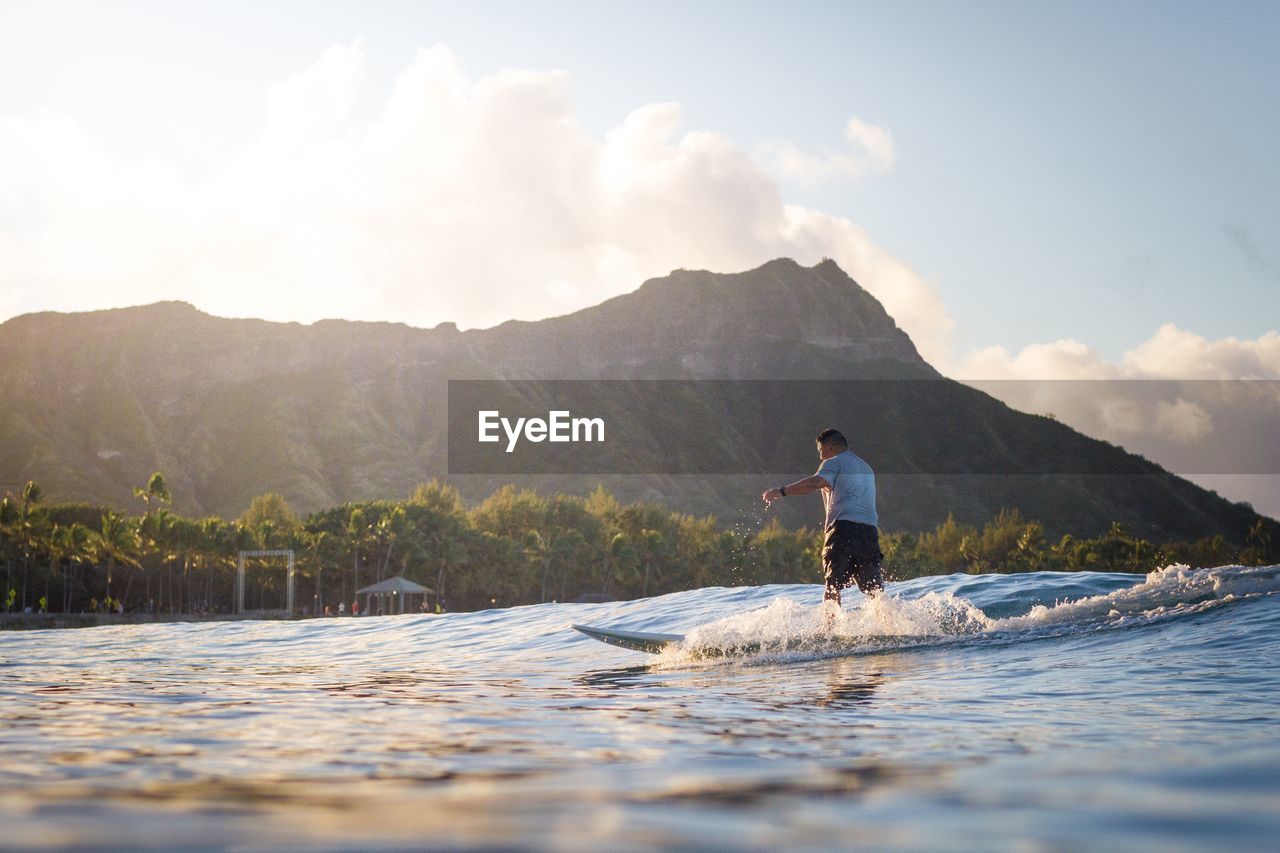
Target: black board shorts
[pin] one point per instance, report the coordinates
(851, 553)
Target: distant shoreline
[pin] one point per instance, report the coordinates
(42, 621)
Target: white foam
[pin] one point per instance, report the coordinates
(1173, 589)
(785, 624)
(788, 626)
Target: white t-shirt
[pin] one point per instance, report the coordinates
(852, 496)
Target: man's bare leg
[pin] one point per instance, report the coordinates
(832, 594)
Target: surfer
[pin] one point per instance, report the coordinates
(851, 547)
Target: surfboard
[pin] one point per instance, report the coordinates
(636, 641)
(639, 641)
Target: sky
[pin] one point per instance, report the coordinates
(1073, 190)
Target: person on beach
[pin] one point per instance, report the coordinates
(851, 547)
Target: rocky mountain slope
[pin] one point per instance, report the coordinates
(92, 403)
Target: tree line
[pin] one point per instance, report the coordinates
(516, 547)
(1011, 543)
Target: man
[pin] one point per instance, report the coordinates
(851, 549)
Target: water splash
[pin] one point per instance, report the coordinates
(789, 629)
(1172, 591)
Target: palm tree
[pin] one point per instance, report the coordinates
(359, 533)
(212, 534)
(67, 546)
(451, 552)
(155, 493)
(118, 542)
(155, 538)
(539, 549)
(236, 537)
(184, 541)
(9, 526)
(1260, 535)
(386, 532)
(28, 534)
(58, 547)
(653, 549)
(620, 562)
(80, 546)
(32, 494)
(315, 543)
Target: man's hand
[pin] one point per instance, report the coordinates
(807, 486)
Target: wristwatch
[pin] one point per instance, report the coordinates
(782, 490)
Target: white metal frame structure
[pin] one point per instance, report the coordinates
(283, 552)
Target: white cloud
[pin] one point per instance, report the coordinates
(1175, 353)
(1127, 419)
(1064, 359)
(1177, 398)
(1171, 353)
(470, 200)
(872, 151)
(875, 141)
(910, 300)
(481, 200)
(1122, 417)
(1141, 400)
(1182, 420)
(318, 99)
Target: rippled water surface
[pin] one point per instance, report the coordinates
(1024, 711)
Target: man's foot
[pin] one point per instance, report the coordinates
(830, 607)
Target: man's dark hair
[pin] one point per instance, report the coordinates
(832, 436)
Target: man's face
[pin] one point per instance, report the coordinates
(826, 450)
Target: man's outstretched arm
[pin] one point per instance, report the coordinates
(807, 486)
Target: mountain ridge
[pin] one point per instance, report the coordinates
(337, 410)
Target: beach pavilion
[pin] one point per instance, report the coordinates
(391, 594)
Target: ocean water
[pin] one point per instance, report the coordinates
(1037, 711)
